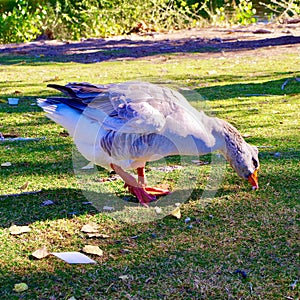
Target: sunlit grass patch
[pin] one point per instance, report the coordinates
(236, 244)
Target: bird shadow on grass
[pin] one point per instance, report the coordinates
(28, 207)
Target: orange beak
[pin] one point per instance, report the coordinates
(253, 179)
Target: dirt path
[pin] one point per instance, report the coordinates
(264, 40)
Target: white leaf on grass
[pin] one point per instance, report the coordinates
(123, 277)
(89, 166)
(74, 257)
(15, 230)
(92, 250)
(6, 164)
(200, 163)
(40, 253)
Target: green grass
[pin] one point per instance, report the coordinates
(236, 231)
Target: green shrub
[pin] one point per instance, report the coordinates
(231, 13)
(74, 19)
(22, 24)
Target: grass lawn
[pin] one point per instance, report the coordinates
(238, 244)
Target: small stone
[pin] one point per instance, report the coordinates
(242, 272)
(157, 209)
(108, 208)
(47, 203)
(277, 154)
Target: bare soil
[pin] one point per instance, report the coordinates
(264, 40)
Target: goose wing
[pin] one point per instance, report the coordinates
(124, 107)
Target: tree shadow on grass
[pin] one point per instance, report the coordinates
(99, 50)
(279, 87)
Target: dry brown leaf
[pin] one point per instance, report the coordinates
(97, 234)
(92, 250)
(15, 230)
(24, 186)
(40, 253)
(176, 213)
(90, 228)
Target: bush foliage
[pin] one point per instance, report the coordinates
(74, 19)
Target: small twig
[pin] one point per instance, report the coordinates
(109, 287)
(251, 288)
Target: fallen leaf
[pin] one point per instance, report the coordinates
(125, 251)
(74, 257)
(200, 163)
(92, 250)
(212, 72)
(40, 253)
(123, 277)
(47, 203)
(89, 166)
(24, 186)
(6, 164)
(15, 230)
(90, 228)
(176, 213)
(20, 287)
(97, 234)
(158, 210)
(108, 208)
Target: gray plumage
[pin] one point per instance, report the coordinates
(130, 123)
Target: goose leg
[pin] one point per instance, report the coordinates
(135, 188)
(150, 189)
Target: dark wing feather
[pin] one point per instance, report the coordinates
(124, 107)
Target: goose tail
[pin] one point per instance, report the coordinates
(60, 113)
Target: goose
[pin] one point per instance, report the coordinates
(124, 125)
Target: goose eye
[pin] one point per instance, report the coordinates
(255, 163)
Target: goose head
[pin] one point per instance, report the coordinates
(246, 164)
(242, 157)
